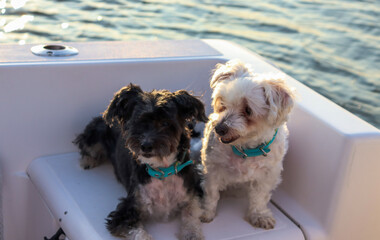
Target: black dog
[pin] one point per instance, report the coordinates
(145, 135)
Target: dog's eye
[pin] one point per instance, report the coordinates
(248, 111)
(164, 124)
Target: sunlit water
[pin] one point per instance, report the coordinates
(333, 46)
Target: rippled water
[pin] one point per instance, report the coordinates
(333, 46)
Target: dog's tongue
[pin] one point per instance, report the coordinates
(226, 140)
(223, 140)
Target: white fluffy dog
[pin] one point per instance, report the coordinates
(245, 139)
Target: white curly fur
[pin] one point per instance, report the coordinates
(251, 106)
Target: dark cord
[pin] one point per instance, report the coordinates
(56, 235)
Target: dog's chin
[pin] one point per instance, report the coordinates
(227, 140)
(154, 160)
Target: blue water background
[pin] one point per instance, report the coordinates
(332, 46)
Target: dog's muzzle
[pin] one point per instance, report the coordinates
(225, 133)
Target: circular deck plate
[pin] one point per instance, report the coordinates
(54, 50)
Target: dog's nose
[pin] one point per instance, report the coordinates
(146, 147)
(221, 129)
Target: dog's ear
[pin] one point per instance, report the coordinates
(189, 106)
(231, 69)
(121, 106)
(279, 97)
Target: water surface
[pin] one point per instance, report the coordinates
(332, 46)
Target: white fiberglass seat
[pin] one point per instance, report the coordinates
(81, 199)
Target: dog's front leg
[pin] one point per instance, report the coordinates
(210, 200)
(125, 221)
(191, 228)
(259, 194)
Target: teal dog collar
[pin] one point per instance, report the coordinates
(161, 173)
(262, 149)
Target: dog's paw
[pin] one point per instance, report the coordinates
(130, 233)
(191, 232)
(262, 221)
(139, 234)
(207, 216)
(193, 236)
(118, 226)
(88, 162)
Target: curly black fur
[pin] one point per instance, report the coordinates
(148, 124)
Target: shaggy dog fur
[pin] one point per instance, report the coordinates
(140, 128)
(248, 108)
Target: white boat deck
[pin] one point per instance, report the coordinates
(331, 171)
(80, 200)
